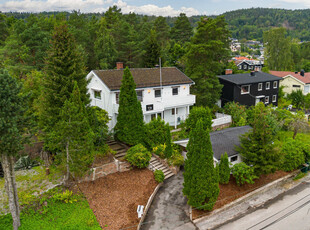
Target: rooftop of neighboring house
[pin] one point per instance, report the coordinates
(241, 58)
(250, 62)
(305, 79)
(223, 140)
(249, 78)
(144, 77)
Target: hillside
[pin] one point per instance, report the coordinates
(250, 23)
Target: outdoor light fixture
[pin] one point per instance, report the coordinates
(184, 87)
(148, 90)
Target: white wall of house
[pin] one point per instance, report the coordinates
(172, 108)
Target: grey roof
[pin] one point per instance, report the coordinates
(223, 140)
(246, 78)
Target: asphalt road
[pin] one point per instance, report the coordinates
(288, 211)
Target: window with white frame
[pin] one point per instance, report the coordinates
(274, 98)
(267, 85)
(117, 98)
(140, 95)
(267, 100)
(234, 158)
(174, 111)
(245, 89)
(244, 66)
(260, 86)
(275, 84)
(97, 94)
(157, 92)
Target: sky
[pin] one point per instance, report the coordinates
(149, 7)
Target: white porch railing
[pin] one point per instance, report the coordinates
(221, 119)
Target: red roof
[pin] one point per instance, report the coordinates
(241, 58)
(305, 79)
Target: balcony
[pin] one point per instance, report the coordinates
(178, 101)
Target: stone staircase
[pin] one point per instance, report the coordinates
(156, 164)
(121, 150)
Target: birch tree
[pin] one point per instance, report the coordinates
(12, 110)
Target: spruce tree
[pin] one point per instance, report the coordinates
(224, 170)
(64, 66)
(200, 177)
(12, 109)
(130, 126)
(182, 30)
(74, 136)
(152, 51)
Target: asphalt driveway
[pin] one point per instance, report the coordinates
(169, 209)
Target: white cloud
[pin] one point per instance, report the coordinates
(305, 2)
(92, 6)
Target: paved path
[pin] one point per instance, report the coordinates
(169, 210)
(290, 210)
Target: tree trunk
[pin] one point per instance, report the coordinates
(11, 189)
(68, 169)
(295, 133)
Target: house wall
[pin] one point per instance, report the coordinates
(162, 106)
(288, 84)
(250, 99)
(227, 92)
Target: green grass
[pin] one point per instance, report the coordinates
(55, 215)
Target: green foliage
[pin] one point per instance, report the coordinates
(224, 170)
(159, 176)
(278, 49)
(152, 54)
(66, 197)
(298, 99)
(168, 149)
(12, 119)
(47, 213)
(64, 66)
(243, 173)
(73, 135)
(257, 146)
(200, 177)
(155, 133)
(130, 126)
(293, 155)
(206, 57)
(177, 159)
(197, 113)
(237, 112)
(182, 30)
(299, 176)
(159, 150)
(138, 156)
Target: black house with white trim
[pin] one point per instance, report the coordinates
(250, 88)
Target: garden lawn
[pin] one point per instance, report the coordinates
(55, 215)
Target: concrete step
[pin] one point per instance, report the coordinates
(169, 175)
(117, 156)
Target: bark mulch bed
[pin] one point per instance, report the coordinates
(232, 191)
(115, 197)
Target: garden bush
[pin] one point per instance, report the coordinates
(156, 133)
(243, 173)
(177, 159)
(197, 113)
(159, 175)
(138, 156)
(159, 150)
(293, 155)
(224, 170)
(237, 112)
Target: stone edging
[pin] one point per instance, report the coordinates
(247, 197)
(149, 202)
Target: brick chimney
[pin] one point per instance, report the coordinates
(228, 71)
(119, 65)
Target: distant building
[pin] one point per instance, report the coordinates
(169, 99)
(249, 88)
(293, 81)
(247, 65)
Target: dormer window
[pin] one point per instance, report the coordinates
(175, 91)
(275, 84)
(267, 85)
(245, 89)
(157, 92)
(97, 94)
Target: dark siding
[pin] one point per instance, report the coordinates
(227, 92)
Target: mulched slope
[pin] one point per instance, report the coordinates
(114, 198)
(232, 191)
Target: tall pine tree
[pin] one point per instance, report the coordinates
(207, 55)
(182, 30)
(152, 51)
(74, 136)
(64, 66)
(201, 185)
(130, 126)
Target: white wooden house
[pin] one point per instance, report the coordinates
(163, 92)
